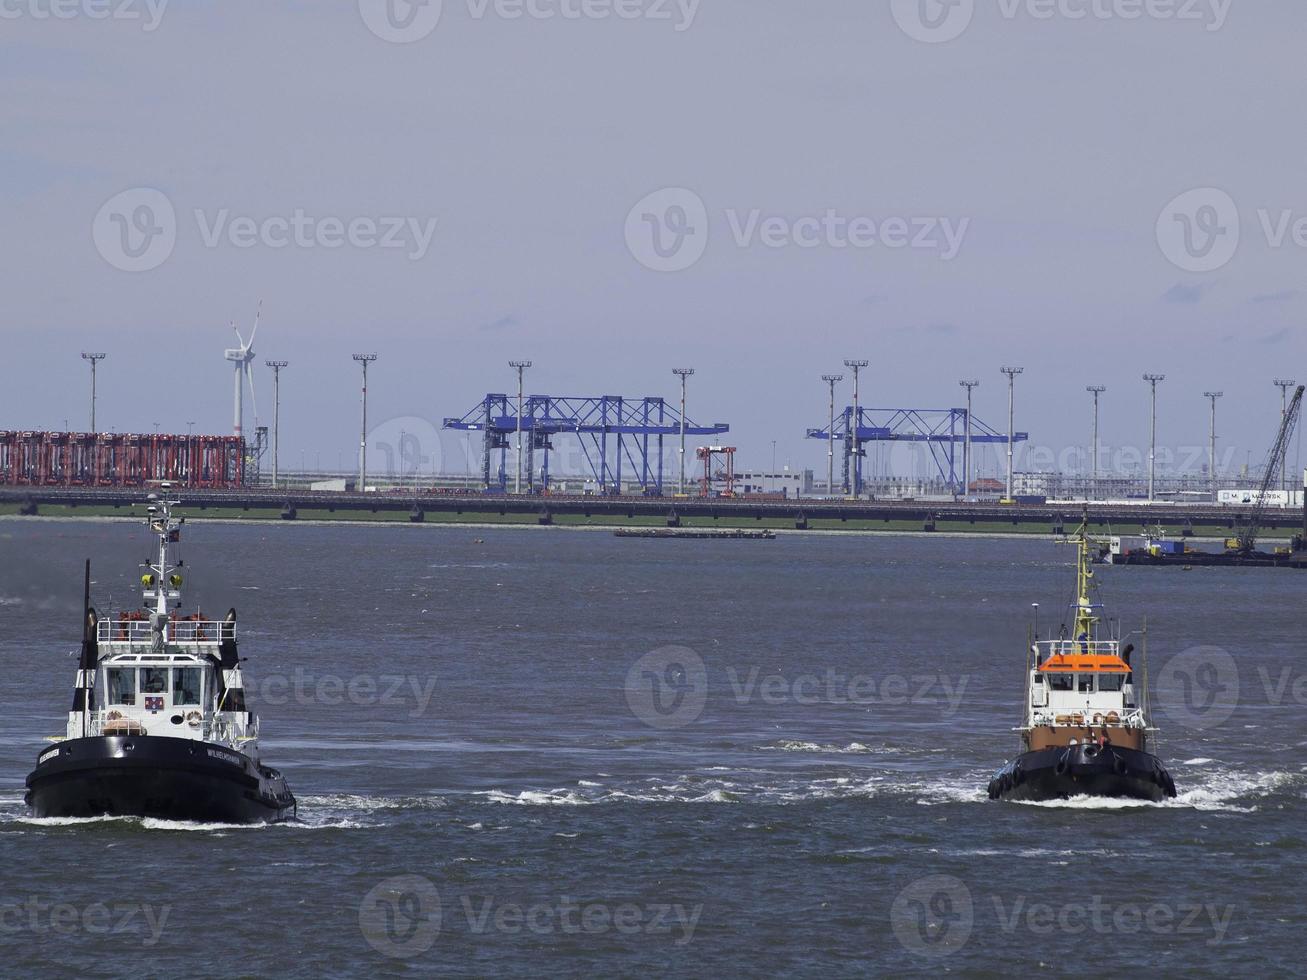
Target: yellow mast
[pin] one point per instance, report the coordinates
(1086, 622)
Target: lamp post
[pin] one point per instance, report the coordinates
(832, 380)
(1284, 387)
(966, 445)
(1153, 379)
(683, 374)
(276, 413)
(855, 426)
(1211, 458)
(1011, 373)
(94, 359)
(365, 360)
(1094, 390)
(520, 367)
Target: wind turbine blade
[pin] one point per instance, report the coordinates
(254, 402)
(239, 341)
(257, 317)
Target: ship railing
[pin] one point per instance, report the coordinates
(230, 730)
(201, 631)
(1105, 648)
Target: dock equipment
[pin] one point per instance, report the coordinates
(89, 459)
(725, 476)
(1247, 540)
(942, 430)
(612, 430)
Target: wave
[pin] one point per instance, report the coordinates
(853, 748)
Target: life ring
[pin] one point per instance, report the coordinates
(193, 718)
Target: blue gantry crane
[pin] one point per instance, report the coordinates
(941, 430)
(613, 431)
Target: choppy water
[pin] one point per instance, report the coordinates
(498, 776)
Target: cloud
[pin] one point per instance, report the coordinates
(1180, 293)
(503, 323)
(1280, 297)
(1275, 336)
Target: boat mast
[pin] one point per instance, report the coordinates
(1086, 628)
(164, 588)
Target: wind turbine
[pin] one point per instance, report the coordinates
(242, 357)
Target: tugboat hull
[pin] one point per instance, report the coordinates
(1061, 772)
(155, 776)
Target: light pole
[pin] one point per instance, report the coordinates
(365, 360)
(1284, 387)
(966, 445)
(832, 380)
(1152, 379)
(94, 359)
(1211, 458)
(682, 373)
(1011, 373)
(1094, 390)
(854, 469)
(276, 412)
(520, 367)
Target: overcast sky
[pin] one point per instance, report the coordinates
(938, 189)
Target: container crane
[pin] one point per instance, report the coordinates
(1246, 543)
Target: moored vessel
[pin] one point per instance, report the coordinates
(1085, 731)
(159, 725)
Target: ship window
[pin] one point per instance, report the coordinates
(1111, 682)
(1061, 682)
(154, 680)
(122, 685)
(1086, 682)
(186, 685)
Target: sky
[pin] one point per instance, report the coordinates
(759, 189)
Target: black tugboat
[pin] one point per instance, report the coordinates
(158, 726)
(1085, 731)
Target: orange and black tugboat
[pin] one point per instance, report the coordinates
(1086, 730)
